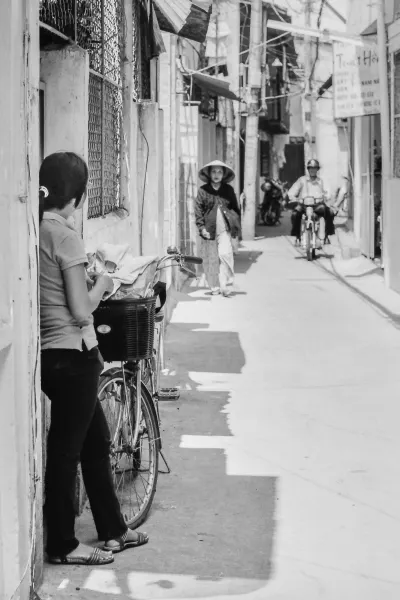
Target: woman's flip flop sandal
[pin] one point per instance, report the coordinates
(124, 544)
(98, 557)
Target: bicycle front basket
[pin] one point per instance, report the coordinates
(125, 328)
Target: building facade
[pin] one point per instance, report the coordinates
(20, 409)
(82, 76)
(375, 206)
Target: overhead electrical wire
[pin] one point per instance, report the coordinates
(223, 62)
(294, 10)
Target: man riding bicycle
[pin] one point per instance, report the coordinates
(311, 185)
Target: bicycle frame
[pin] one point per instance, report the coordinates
(179, 259)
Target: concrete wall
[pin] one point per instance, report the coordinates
(150, 180)
(190, 123)
(360, 15)
(65, 74)
(20, 418)
(296, 111)
(391, 212)
(122, 226)
(170, 105)
(392, 207)
(358, 169)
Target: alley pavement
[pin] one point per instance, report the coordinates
(284, 445)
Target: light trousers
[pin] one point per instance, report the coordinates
(218, 260)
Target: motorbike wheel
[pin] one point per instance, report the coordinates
(270, 218)
(310, 251)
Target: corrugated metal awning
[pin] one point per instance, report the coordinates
(185, 18)
(214, 86)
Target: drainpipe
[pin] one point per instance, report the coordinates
(385, 129)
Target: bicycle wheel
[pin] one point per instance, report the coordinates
(134, 468)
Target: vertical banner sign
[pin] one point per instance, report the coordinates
(355, 80)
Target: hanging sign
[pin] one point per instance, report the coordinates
(355, 80)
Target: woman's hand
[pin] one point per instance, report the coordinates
(205, 234)
(103, 281)
(82, 302)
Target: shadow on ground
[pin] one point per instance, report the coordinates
(245, 259)
(211, 533)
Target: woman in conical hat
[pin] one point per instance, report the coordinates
(218, 221)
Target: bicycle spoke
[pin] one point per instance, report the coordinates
(134, 465)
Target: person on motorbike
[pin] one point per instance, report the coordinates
(311, 185)
(272, 194)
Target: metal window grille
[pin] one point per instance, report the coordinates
(98, 27)
(105, 105)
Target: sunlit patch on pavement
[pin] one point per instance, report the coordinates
(240, 460)
(167, 586)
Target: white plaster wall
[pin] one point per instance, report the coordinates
(19, 383)
(296, 111)
(150, 178)
(189, 167)
(121, 227)
(113, 229)
(391, 227)
(170, 105)
(66, 77)
(361, 14)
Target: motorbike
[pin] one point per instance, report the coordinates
(310, 226)
(271, 211)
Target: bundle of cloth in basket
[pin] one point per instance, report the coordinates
(133, 276)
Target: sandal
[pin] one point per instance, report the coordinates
(124, 544)
(98, 557)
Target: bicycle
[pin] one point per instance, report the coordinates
(134, 419)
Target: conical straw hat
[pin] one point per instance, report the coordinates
(204, 173)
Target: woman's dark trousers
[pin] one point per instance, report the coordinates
(78, 432)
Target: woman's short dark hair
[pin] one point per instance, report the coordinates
(65, 176)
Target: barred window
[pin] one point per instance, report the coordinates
(98, 27)
(105, 106)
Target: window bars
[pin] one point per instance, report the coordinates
(97, 26)
(105, 105)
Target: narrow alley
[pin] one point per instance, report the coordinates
(283, 446)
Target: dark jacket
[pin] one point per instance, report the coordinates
(206, 207)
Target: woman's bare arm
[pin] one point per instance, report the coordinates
(82, 303)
